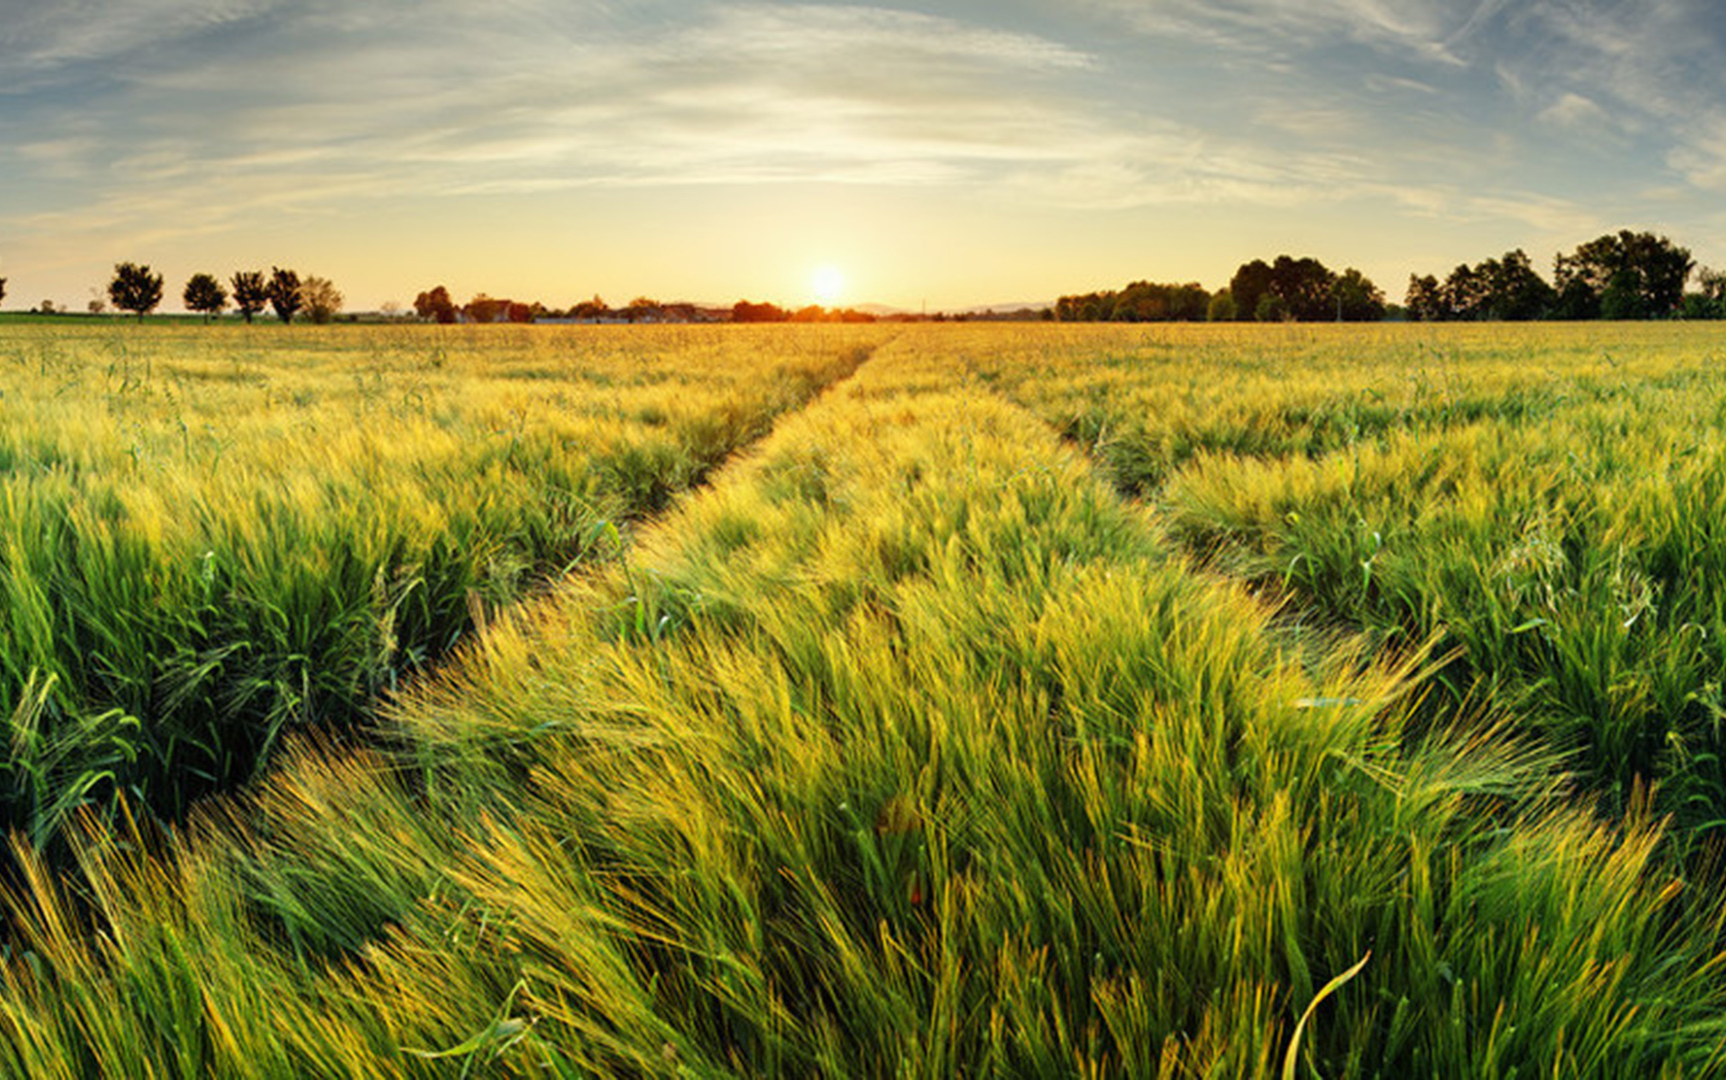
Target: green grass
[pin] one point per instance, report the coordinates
(212, 535)
(1539, 500)
(909, 749)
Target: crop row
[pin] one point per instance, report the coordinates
(1539, 505)
(210, 537)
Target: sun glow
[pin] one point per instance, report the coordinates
(828, 284)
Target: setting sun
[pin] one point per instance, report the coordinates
(828, 284)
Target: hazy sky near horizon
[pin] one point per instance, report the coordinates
(954, 153)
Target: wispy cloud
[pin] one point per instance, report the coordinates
(755, 93)
(124, 122)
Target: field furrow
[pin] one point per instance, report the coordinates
(1536, 504)
(211, 536)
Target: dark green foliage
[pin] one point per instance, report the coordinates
(1628, 275)
(251, 293)
(1497, 289)
(134, 288)
(284, 294)
(205, 294)
(1142, 301)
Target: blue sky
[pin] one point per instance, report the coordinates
(949, 153)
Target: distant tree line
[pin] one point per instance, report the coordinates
(1288, 289)
(1142, 301)
(746, 312)
(137, 289)
(437, 305)
(1623, 275)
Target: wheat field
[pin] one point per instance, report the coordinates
(914, 701)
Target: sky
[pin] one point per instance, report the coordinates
(913, 154)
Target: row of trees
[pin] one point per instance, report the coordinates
(1303, 290)
(436, 305)
(136, 288)
(1623, 275)
(1142, 301)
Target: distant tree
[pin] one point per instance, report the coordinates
(1512, 289)
(321, 299)
(1250, 283)
(285, 295)
(745, 312)
(1576, 300)
(390, 309)
(203, 293)
(135, 289)
(435, 305)
(96, 305)
(1271, 308)
(642, 309)
(1356, 298)
(1141, 301)
(1301, 289)
(1424, 300)
(1086, 307)
(47, 307)
(1502, 288)
(1628, 275)
(1709, 299)
(251, 293)
(484, 309)
(518, 313)
(1222, 307)
(590, 309)
(2, 288)
(1305, 285)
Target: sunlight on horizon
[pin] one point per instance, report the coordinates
(827, 284)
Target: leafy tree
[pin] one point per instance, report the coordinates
(1221, 308)
(435, 305)
(1463, 293)
(135, 289)
(1304, 285)
(1249, 285)
(1271, 308)
(1288, 288)
(1622, 298)
(641, 308)
(595, 309)
(285, 294)
(321, 299)
(1709, 300)
(1424, 300)
(2, 288)
(745, 312)
(1513, 289)
(484, 309)
(203, 293)
(1142, 301)
(1357, 299)
(1503, 288)
(251, 294)
(518, 312)
(1576, 300)
(1627, 275)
